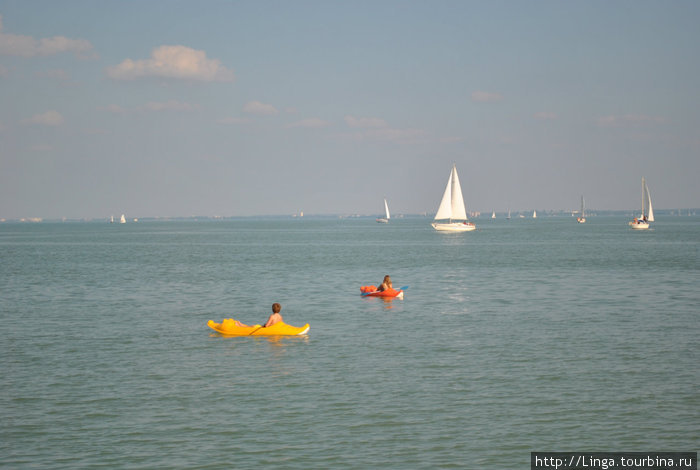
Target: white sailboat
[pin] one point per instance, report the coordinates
(493, 214)
(534, 214)
(642, 222)
(582, 218)
(385, 220)
(452, 208)
(122, 220)
(508, 214)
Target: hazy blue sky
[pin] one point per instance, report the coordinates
(167, 108)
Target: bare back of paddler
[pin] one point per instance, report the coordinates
(275, 317)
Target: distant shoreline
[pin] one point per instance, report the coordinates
(476, 215)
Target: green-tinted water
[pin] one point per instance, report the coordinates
(523, 336)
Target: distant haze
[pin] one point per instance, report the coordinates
(255, 108)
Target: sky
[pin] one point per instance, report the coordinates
(237, 108)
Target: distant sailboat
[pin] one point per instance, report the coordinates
(647, 216)
(534, 214)
(508, 215)
(452, 208)
(582, 218)
(122, 220)
(111, 220)
(493, 214)
(385, 220)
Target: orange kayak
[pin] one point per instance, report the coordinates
(371, 291)
(228, 327)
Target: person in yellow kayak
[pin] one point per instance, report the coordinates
(385, 285)
(274, 318)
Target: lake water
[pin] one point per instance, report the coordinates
(526, 335)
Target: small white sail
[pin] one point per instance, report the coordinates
(650, 215)
(493, 214)
(534, 214)
(122, 220)
(385, 220)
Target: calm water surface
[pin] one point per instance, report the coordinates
(526, 335)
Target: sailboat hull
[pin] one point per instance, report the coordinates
(383, 221)
(639, 225)
(454, 227)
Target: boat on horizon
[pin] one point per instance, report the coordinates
(582, 218)
(452, 208)
(642, 222)
(385, 220)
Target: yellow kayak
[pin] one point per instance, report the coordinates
(228, 327)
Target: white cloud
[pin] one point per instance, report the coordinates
(113, 108)
(49, 118)
(58, 74)
(373, 129)
(311, 123)
(451, 140)
(354, 122)
(152, 106)
(629, 120)
(178, 62)
(171, 105)
(41, 148)
(486, 97)
(397, 135)
(545, 115)
(27, 46)
(260, 109)
(234, 120)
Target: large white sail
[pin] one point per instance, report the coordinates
(445, 208)
(386, 209)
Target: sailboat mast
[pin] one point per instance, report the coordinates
(643, 197)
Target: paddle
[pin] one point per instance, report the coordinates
(256, 329)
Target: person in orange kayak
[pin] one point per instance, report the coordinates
(274, 318)
(385, 285)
